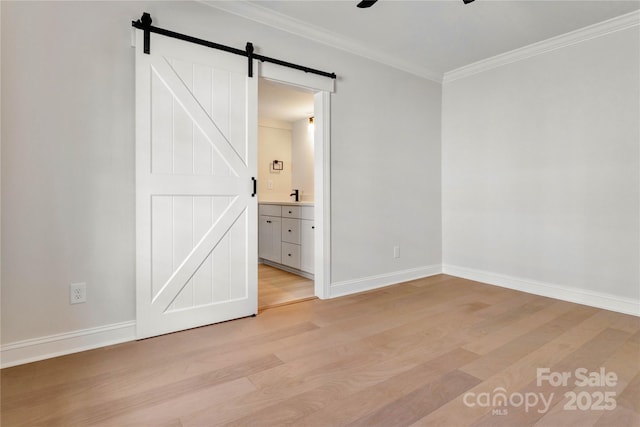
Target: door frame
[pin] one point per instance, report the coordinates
(322, 88)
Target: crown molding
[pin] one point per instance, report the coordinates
(318, 34)
(612, 25)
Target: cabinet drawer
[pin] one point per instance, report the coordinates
(291, 255)
(291, 230)
(270, 210)
(291, 211)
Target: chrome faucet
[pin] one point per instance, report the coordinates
(295, 193)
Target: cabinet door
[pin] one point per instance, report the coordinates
(307, 237)
(269, 231)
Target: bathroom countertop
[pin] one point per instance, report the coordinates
(287, 203)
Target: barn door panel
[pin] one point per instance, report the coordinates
(195, 217)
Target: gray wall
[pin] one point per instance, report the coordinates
(540, 168)
(68, 157)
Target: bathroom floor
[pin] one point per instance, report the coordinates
(277, 287)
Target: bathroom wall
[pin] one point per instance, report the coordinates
(302, 159)
(291, 143)
(274, 143)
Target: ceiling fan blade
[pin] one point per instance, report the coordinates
(366, 3)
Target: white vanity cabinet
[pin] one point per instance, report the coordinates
(286, 236)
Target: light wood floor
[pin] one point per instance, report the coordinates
(398, 356)
(277, 287)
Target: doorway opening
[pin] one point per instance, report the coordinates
(286, 194)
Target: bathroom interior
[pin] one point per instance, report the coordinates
(285, 194)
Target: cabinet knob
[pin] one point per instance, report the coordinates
(289, 231)
(289, 211)
(268, 222)
(313, 227)
(289, 254)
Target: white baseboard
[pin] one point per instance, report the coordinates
(348, 287)
(564, 293)
(32, 350)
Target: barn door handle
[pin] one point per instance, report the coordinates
(255, 186)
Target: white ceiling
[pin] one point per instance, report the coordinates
(429, 38)
(284, 103)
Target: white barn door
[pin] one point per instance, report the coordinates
(196, 219)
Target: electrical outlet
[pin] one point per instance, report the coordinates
(77, 293)
(396, 251)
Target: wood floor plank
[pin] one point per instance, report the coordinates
(517, 375)
(125, 381)
(590, 356)
(418, 403)
(408, 349)
(514, 311)
(74, 412)
(312, 401)
(180, 405)
(381, 330)
(625, 395)
(53, 376)
(630, 397)
(515, 328)
(332, 381)
(519, 347)
(277, 286)
(620, 417)
(370, 399)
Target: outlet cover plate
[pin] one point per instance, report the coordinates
(77, 293)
